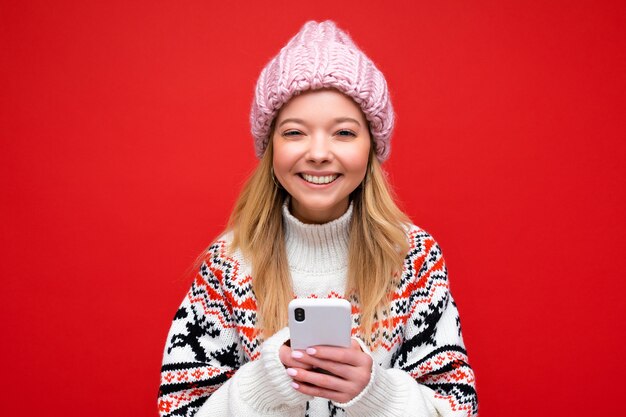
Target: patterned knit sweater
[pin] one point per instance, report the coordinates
(215, 364)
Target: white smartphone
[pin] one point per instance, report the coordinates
(319, 321)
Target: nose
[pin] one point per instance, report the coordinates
(319, 149)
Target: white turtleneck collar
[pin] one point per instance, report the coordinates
(317, 248)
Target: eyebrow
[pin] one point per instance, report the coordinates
(337, 120)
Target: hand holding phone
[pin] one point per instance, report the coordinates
(337, 369)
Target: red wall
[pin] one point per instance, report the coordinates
(125, 139)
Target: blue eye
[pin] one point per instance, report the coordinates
(346, 133)
(291, 133)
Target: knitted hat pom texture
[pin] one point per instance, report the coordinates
(320, 56)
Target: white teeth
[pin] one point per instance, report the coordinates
(320, 180)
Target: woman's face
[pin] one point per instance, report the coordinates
(321, 147)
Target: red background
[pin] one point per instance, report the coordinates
(125, 139)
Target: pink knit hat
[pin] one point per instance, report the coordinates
(322, 56)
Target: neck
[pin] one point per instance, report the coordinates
(318, 248)
(312, 216)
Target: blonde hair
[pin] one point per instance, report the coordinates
(378, 244)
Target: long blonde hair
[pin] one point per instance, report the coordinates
(378, 245)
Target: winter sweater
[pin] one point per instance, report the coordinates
(215, 363)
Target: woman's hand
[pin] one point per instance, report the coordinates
(349, 368)
(285, 354)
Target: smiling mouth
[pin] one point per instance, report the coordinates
(326, 179)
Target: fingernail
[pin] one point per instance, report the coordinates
(296, 354)
(296, 386)
(311, 351)
(291, 372)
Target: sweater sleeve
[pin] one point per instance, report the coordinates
(205, 371)
(430, 374)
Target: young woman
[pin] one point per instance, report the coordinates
(316, 219)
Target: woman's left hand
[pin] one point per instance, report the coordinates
(349, 368)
